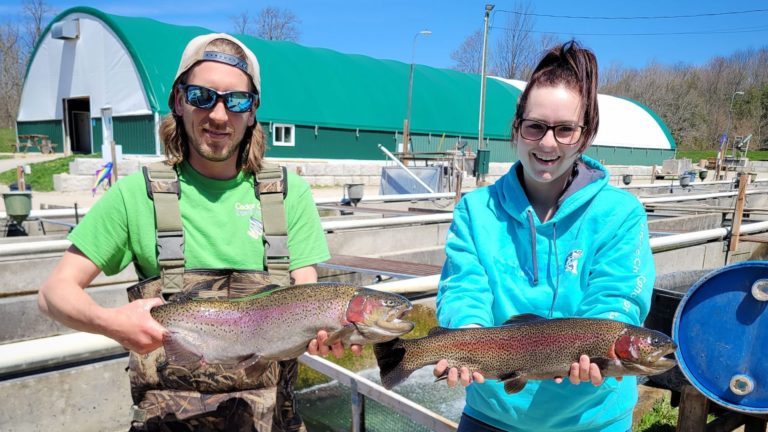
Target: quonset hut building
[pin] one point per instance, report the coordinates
(316, 103)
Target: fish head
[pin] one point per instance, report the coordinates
(642, 351)
(377, 315)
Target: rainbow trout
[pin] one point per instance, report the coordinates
(277, 324)
(529, 347)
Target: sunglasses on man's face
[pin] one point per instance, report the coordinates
(206, 98)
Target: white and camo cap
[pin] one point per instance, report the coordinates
(196, 51)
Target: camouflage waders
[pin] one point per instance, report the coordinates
(212, 397)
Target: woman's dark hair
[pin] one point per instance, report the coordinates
(575, 68)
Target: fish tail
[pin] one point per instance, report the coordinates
(390, 356)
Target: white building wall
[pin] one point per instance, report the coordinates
(622, 123)
(96, 65)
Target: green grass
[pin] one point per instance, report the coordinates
(424, 318)
(41, 177)
(661, 418)
(7, 138)
(696, 155)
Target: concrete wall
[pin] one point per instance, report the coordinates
(91, 398)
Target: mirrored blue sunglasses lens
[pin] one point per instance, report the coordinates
(238, 102)
(203, 97)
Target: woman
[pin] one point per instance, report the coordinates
(552, 238)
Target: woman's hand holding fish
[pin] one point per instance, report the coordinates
(318, 347)
(584, 370)
(463, 375)
(134, 328)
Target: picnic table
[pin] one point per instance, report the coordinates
(39, 141)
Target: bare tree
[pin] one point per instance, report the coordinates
(241, 22)
(469, 55)
(36, 12)
(277, 24)
(11, 73)
(514, 53)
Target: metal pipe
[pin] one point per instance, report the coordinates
(390, 221)
(50, 351)
(54, 213)
(679, 240)
(404, 286)
(400, 164)
(695, 197)
(393, 198)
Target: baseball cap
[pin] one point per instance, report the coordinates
(196, 52)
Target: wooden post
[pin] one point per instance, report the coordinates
(653, 174)
(721, 166)
(458, 186)
(113, 177)
(20, 179)
(694, 406)
(738, 213)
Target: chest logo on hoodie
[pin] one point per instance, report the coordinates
(572, 261)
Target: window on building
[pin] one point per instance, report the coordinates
(282, 135)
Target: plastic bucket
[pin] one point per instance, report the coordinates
(721, 328)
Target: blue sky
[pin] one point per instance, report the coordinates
(386, 28)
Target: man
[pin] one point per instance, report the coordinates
(213, 205)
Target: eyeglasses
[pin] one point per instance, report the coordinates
(206, 98)
(565, 133)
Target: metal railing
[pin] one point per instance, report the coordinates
(363, 388)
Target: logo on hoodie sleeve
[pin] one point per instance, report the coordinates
(572, 261)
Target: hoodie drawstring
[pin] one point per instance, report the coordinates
(557, 271)
(533, 248)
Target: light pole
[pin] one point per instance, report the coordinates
(407, 122)
(724, 144)
(480, 180)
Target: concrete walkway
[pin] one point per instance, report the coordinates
(20, 159)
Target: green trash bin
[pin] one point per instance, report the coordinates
(18, 205)
(482, 161)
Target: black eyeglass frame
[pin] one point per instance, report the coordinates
(548, 127)
(218, 95)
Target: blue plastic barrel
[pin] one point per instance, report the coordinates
(721, 329)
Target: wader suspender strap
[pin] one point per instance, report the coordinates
(271, 186)
(163, 188)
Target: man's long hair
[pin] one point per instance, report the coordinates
(174, 136)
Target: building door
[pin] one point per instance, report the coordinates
(82, 132)
(79, 132)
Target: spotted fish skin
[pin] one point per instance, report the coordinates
(278, 324)
(530, 347)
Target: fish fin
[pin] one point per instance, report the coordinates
(390, 356)
(513, 382)
(444, 376)
(437, 330)
(524, 318)
(239, 291)
(254, 366)
(340, 335)
(248, 361)
(179, 353)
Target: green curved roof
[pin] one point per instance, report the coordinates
(316, 86)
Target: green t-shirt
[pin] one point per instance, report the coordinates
(222, 222)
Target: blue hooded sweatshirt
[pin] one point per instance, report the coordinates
(592, 259)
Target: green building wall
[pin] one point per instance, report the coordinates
(53, 128)
(137, 136)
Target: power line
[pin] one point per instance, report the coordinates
(637, 17)
(705, 32)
